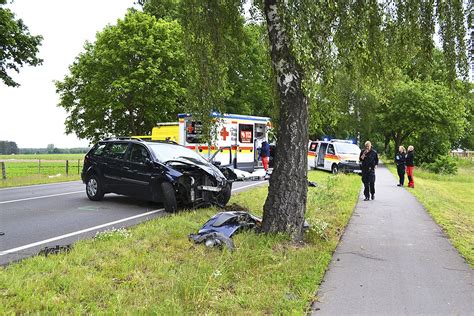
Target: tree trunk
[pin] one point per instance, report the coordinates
(285, 206)
(386, 144)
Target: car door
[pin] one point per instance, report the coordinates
(137, 172)
(113, 166)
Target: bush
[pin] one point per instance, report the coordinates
(443, 165)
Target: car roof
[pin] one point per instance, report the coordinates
(136, 140)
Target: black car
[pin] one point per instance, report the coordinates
(161, 172)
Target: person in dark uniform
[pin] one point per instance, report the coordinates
(265, 154)
(410, 166)
(400, 158)
(369, 160)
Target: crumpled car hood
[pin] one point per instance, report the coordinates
(208, 168)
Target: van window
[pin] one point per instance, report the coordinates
(193, 132)
(345, 148)
(313, 146)
(331, 149)
(245, 133)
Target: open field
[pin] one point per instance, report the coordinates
(37, 169)
(43, 157)
(450, 201)
(154, 268)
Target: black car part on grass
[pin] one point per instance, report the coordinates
(312, 184)
(218, 230)
(54, 250)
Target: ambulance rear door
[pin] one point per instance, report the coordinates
(245, 146)
(312, 155)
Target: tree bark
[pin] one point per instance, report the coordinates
(386, 144)
(285, 206)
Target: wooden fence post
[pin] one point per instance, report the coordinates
(39, 166)
(67, 167)
(78, 166)
(4, 173)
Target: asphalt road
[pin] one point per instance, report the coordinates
(47, 215)
(394, 260)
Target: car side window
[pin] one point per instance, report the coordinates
(99, 150)
(116, 150)
(331, 149)
(139, 154)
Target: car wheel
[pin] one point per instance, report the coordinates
(224, 196)
(94, 189)
(169, 197)
(334, 169)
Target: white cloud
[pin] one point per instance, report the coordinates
(28, 114)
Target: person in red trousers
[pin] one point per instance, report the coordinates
(265, 154)
(410, 166)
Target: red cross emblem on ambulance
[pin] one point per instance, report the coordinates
(224, 133)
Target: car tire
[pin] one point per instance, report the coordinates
(224, 196)
(334, 169)
(169, 197)
(94, 189)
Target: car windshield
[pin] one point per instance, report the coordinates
(166, 152)
(346, 148)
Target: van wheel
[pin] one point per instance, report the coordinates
(224, 196)
(334, 169)
(169, 197)
(94, 189)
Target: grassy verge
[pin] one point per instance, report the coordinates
(450, 201)
(153, 268)
(36, 179)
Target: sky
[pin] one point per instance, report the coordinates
(29, 114)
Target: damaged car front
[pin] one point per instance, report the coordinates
(196, 182)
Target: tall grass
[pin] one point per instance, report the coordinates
(155, 268)
(450, 201)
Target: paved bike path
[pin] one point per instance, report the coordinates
(394, 260)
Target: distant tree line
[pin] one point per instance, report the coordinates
(9, 148)
(54, 150)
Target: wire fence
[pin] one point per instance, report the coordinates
(51, 168)
(469, 154)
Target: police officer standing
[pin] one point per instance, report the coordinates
(369, 161)
(400, 158)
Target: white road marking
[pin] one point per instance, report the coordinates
(247, 186)
(41, 197)
(42, 185)
(42, 242)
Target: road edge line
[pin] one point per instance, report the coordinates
(42, 242)
(41, 197)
